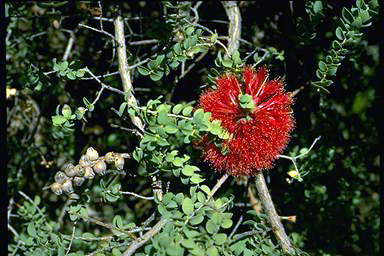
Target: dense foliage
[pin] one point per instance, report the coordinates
(103, 149)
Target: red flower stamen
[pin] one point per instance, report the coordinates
(260, 130)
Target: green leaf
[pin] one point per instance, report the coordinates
(179, 198)
(176, 172)
(211, 227)
(196, 220)
(187, 206)
(157, 75)
(174, 64)
(116, 252)
(177, 109)
(198, 117)
(122, 108)
(143, 70)
(336, 45)
(201, 197)
(196, 179)
(347, 16)
(220, 238)
(320, 74)
(80, 72)
(364, 15)
(171, 129)
(58, 120)
(206, 189)
(175, 250)
(188, 243)
(66, 111)
(64, 65)
(163, 118)
(189, 170)
(159, 59)
(340, 33)
(31, 230)
(357, 22)
(191, 233)
(317, 6)
(216, 217)
(177, 48)
(226, 223)
(118, 221)
(212, 251)
(322, 66)
(163, 211)
(71, 75)
(236, 58)
(360, 3)
(187, 110)
(189, 31)
(227, 63)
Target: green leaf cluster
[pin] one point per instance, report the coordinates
(37, 237)
(348, 35)
(68, 70)
(174, 55)
(229, 62)
(63, 122)
(170, 127)
(268, 54)
(306, 28)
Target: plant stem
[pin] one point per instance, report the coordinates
(125, 72)
(272, 216)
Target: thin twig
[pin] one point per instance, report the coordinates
(103, 86)
(106, 75)
(236, 227)
(218, 184)
(68, 49)
(249, 233)
(13, 231)
(62, 213)
(293, 158)
(97, 30)
(134, 131)
(142, 240)
(72, 237)
(272, 216)
(105, 225)
(143, 42)
(137, 195)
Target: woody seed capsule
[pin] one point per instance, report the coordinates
(60, 177)
(119, 162)
(92, 154)
(84, 162)
(78, 181)
(67, 187)
(56, 188)
(100, 167)
(70, 172)
(80, 171)
(109, 157)
(88, 173)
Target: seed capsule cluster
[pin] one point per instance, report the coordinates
(89, 165)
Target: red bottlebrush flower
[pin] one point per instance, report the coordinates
(258, 116)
